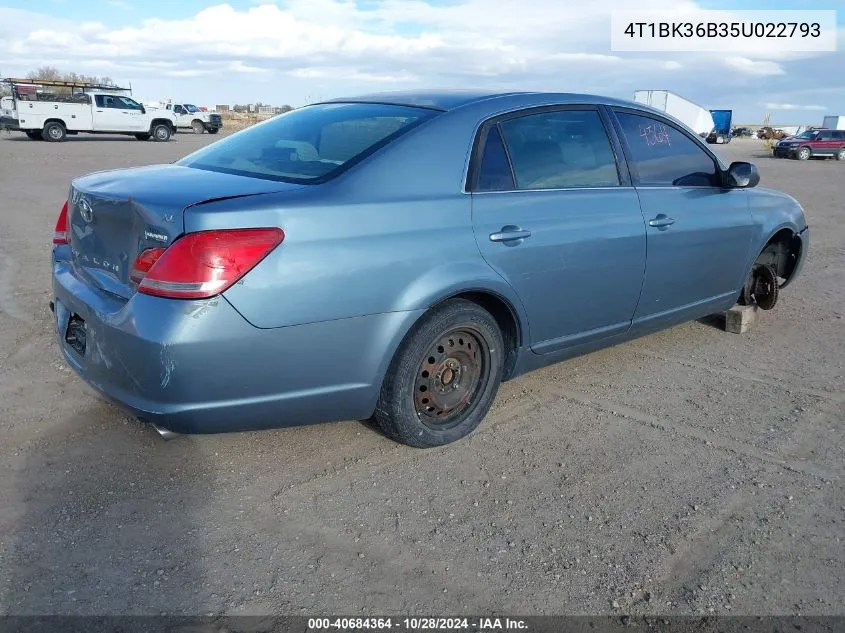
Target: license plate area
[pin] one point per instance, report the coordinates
(75, 335)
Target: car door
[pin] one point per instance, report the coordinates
(699, 232)
(828, 145)
(556, 216)
(133, 117)
(107, 114)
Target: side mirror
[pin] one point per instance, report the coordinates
(143, 110)
(743, 175)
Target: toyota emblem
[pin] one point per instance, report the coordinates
(85, 210)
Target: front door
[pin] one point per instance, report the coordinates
(553, 215)
(699, 232)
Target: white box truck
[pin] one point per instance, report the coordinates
(698, 119)
(52, 110)
(834, 122)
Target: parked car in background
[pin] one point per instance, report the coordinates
(812, 144)
(768, 133)
(397, 256)
(190, 117)
(743, 132)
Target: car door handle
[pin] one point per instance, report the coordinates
(661, 221)
(99, 110)
(509, 234)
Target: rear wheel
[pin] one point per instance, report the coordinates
(54, 131)
(840, 155)
(444, 377)
(143, 137)
(213, 130)
(198, 127)
(803, 153)
(161, 132)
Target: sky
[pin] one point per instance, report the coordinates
(301, 51)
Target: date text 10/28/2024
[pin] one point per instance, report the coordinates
(417, 624)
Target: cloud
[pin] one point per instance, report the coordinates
(792, 106)
(751, 67)
(337, 46)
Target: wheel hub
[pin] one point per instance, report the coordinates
(449, 378)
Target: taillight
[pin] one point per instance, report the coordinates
(204, 264)
(144, 262)
(60, 236)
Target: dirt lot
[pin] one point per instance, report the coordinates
(689, 471)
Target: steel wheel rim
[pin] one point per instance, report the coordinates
(450, 377)
(55, 132)
(160, 132)
(841, 154)
(765, 287)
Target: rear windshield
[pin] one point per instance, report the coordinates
(310, 144)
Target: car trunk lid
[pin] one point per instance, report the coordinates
(113, 216)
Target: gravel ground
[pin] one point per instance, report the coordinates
(689, 471)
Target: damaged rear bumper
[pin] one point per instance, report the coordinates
(200, 367)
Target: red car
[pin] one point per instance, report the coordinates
(813, 143)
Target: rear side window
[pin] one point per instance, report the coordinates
(662, 155)
(559, 150)
(495, 172)
(310, 144)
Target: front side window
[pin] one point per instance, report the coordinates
(309, 144)
(128, 104)
(560, 149)
(191, 108)
(662, 155)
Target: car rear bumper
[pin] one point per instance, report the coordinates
(200, 367)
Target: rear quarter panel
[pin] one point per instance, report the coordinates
(346, 259)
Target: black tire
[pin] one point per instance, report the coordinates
(54, 132)
(35, 136)
(197, 126)
(143, 137)
(161, 132)
(803, 153)
(213, 130)
(456, 355)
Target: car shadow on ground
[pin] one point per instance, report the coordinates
(108, 521)
(80, 139)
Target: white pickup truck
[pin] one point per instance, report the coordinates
(189, 116)
(52, 116)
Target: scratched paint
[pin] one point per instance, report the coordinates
(167, 366)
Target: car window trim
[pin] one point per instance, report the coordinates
(480, 139)
(626, 148)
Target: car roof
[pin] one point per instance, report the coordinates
(450, 99)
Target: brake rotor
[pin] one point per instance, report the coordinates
(766, 287)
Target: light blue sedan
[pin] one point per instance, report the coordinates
(396, 256)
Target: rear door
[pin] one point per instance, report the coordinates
(699, 232)
(557, 218)
(826, 145)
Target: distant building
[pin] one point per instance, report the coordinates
(266, 110)
(222, 108)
